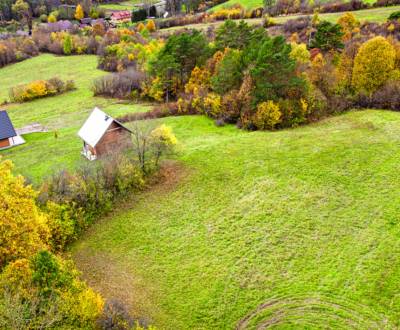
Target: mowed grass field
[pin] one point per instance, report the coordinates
(124, 5)
(294, 229)
(62, 115)
(377, 15)
(250, 4)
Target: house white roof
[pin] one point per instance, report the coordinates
(95, 126)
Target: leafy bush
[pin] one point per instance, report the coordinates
(17, 49)
(90, 191)
(40, 88)
(120, 85)
(394, 16)
(79, 14)
(150, 144)
(67, 45)
(328, 36)
(45, 290)
(23, 229)
(151, 26)
(228, 72)
(267, 116)
(372, 65)
(177, 58)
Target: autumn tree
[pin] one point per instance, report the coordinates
(268, 115)
(273, 71)
(23, 11)
(373, 64)
(79, 14)
(23, 229)
(151, 26)
(349, 25)
(328, 36)
(176, 60)
(43, 292)
(229, 72)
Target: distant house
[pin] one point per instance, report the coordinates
(121, 16)
(8, 136)
(103, 135)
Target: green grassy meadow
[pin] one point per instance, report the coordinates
(377, 15)
(250, 4)
(125, 5)
(294, 229)
(62, 114)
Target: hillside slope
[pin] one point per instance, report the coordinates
(290, 229)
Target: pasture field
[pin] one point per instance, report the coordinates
(250, 4)
(62, 114)
(125, 5)
(377, 15)
(293, 229)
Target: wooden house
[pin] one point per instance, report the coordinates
(8, 136)
(103, 135)
(121, 16)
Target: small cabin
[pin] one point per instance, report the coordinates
(103, 135)
(8, 136)
(121, 16)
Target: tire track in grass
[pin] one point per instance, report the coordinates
(316, 310)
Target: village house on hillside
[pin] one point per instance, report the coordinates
(121, 16)
(8, 136)
(103, 135)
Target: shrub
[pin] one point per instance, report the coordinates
(40, 88)
(300, 53)
(394, 16)
(119, 85)
(267, 116)
(296, 25)
(228, 72)
(177, 58)
(273, 71)
(79, 14)
(140, 27)
(372, 65)
(23, 229)
(349, 25)
(328, 36)
(51, 18)
(385, 97)
(43, 18)
(67, 45)
(150, 144)
(151, 26)
(45, 290)
(212, 105)
(62, 220)
(90, 190)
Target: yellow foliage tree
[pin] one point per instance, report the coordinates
(151, 26)
(349, 25)
(52, 18)
(268, 115)
(23, 229)
(372, 65)
(79, 14)
(300, 53)
(47, 289)
(140, 27)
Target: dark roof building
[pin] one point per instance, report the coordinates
(8, 135)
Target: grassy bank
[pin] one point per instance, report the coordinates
(291, 229)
